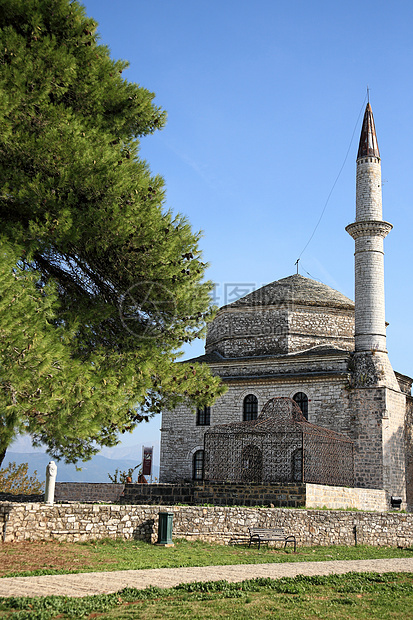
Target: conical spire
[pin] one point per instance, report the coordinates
(368, 146)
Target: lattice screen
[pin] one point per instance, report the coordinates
(279, 446)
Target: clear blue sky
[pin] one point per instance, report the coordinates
(262, 100)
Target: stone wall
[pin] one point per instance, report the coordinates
(76, 522)
(218, 494)
(280, 328)
(313, 326)
(88, 492)
(368, 406)
(409, 452)
(378, 433)
(320, 496)
(11, 497)
(394, 457)
(250, 331)
(254, 494)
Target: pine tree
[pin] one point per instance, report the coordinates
(119, 277)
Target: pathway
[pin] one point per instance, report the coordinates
(83, 584)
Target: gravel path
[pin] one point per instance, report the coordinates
(83, 584)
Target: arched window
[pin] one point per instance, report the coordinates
(250, 408)
(203, 416)
(302, 401)
(198, 465)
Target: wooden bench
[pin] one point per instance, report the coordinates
(270, 534)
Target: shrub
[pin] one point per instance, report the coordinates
(15, 479)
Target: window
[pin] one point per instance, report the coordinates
(250, 407)
(203, 416)
(302, 401)
(198, 465)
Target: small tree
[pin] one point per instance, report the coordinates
(15, 479)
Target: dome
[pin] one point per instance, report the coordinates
(286, 316)
(294, 289)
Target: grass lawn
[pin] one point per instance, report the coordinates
(40, 558)
(333, 597)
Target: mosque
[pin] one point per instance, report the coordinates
(312, 395)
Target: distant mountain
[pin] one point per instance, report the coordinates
(95, 470)
(130, 452)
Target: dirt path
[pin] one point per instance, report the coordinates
(82, 584)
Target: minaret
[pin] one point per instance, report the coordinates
(377, 403)
(368, 231)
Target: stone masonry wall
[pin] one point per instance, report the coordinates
(21, 498)
(368, 405)
(394, 460)
(378, 433)
(88, 492)
(319, 496)
(294, 495)
(310, 327)
(248, 332)
(408, 438)
(218, 494)
(254, 331)
(76, 522)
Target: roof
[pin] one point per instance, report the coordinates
(368, 146)
(215, 357)
(207, 358)
(295, 289)
(279, 415)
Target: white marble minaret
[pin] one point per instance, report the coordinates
(378, 404)
(368, 231)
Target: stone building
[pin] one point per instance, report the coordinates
(300, 339)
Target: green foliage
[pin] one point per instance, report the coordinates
(46, 391)
(368, 595)
(121, 476)
(15, 479)
(120, 278)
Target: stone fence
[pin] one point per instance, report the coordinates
(217, 494)
(320, 496)
(192, 493)
(76, 522)
(22, 498)
(88, 492)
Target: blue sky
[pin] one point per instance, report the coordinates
(263, 98)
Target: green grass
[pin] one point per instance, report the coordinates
(109, 555)
(333, 597)
(138, 555)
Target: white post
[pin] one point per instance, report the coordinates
(51, 472)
